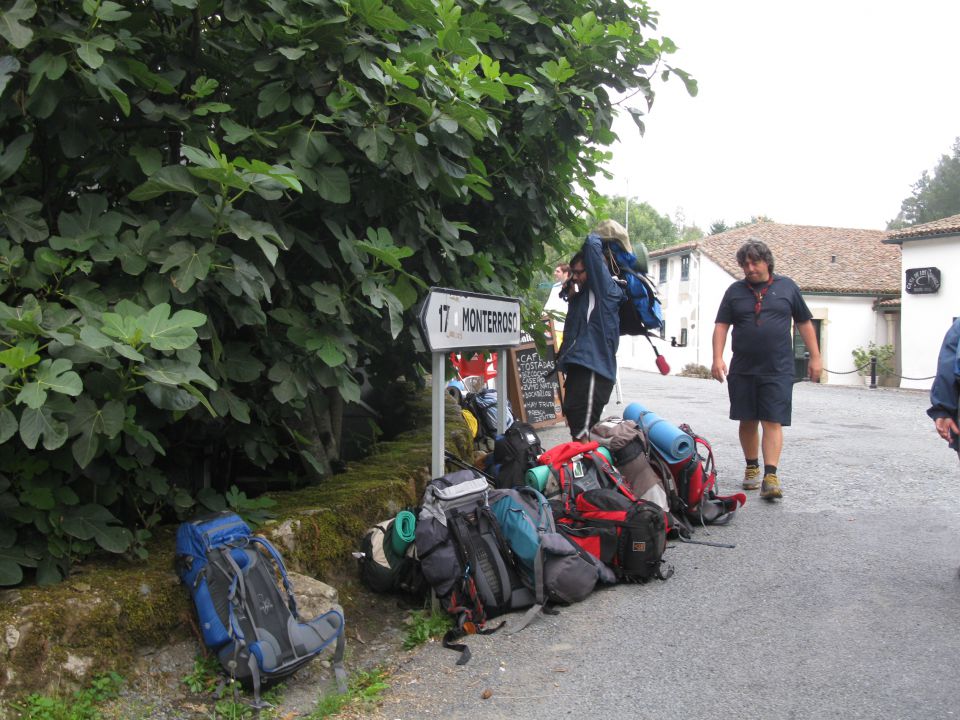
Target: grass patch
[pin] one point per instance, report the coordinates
(364, 690)
(207, 678)
(82, 705)
(424, 626)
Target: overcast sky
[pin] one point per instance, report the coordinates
(823, 112)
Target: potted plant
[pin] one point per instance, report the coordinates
(883, 354)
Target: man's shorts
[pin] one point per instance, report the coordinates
(761, 397)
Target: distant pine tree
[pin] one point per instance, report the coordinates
(934, 197)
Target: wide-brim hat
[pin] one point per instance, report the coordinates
(610, 231)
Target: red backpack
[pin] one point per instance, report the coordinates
(596, 510)
(696, 483)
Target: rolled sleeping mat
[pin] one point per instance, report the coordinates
(537, 477)
(402, 534)
(672, 442)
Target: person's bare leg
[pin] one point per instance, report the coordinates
(772, 442)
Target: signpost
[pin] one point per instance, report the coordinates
(460, 320)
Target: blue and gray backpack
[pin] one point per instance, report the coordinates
(642, 311)
(251, 625)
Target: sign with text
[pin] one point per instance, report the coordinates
(535, 393)
(460, 320)
(922, 281)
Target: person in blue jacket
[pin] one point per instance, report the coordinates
(591, 336)
(946, 388)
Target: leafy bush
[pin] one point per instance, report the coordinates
(862, 357)
(696, 370)
(216, 219)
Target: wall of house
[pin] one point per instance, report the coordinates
(925, 318)
(845, 323)
(687, 304)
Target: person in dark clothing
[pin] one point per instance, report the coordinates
(760, 308)
(945, 391)
(591, 336)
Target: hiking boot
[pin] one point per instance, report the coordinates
(751, 477)
(770, 489)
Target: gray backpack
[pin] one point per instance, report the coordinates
(465, 558)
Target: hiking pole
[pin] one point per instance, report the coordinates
(451, 458)
(706, 542)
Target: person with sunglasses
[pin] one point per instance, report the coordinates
(761, 308)
(591, 336)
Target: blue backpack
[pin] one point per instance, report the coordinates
(642, 312)
(251, 625)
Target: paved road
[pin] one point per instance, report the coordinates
(840, 601)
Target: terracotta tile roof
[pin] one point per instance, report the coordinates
(945, 226)
(864, 265)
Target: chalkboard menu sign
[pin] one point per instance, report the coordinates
(534, 398)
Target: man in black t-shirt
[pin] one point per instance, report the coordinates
(761, 308)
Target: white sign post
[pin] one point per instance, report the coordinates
(460, 320)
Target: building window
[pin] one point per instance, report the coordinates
(685, 267)
(663, 270)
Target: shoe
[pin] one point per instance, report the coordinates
(751, 477)
(770, 489)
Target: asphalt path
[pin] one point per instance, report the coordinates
(842, 600)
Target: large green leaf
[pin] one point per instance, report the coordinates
(164, 332)
(11, 27)
(50, 376)
(8, 424)
(37, 423)
(167, 397)
(189, 264)
(20, 356)
(93, 521)
(175, 372)
(333, 184)
(173, 178)
(23, 219)
(11, 157)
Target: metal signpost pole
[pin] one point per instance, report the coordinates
(501, 390)
(436, 455)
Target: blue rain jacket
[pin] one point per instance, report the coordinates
(592, 341)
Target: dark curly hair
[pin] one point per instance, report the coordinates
(755, 250)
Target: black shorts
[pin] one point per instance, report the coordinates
(761, 397)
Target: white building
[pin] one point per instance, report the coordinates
(931, 294)
(849, 280)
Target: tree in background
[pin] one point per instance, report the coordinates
(216, 220)
(720, 226)
(643, 223)
(934, 197)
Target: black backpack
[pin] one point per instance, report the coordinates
(385, 567)
(515, 453)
